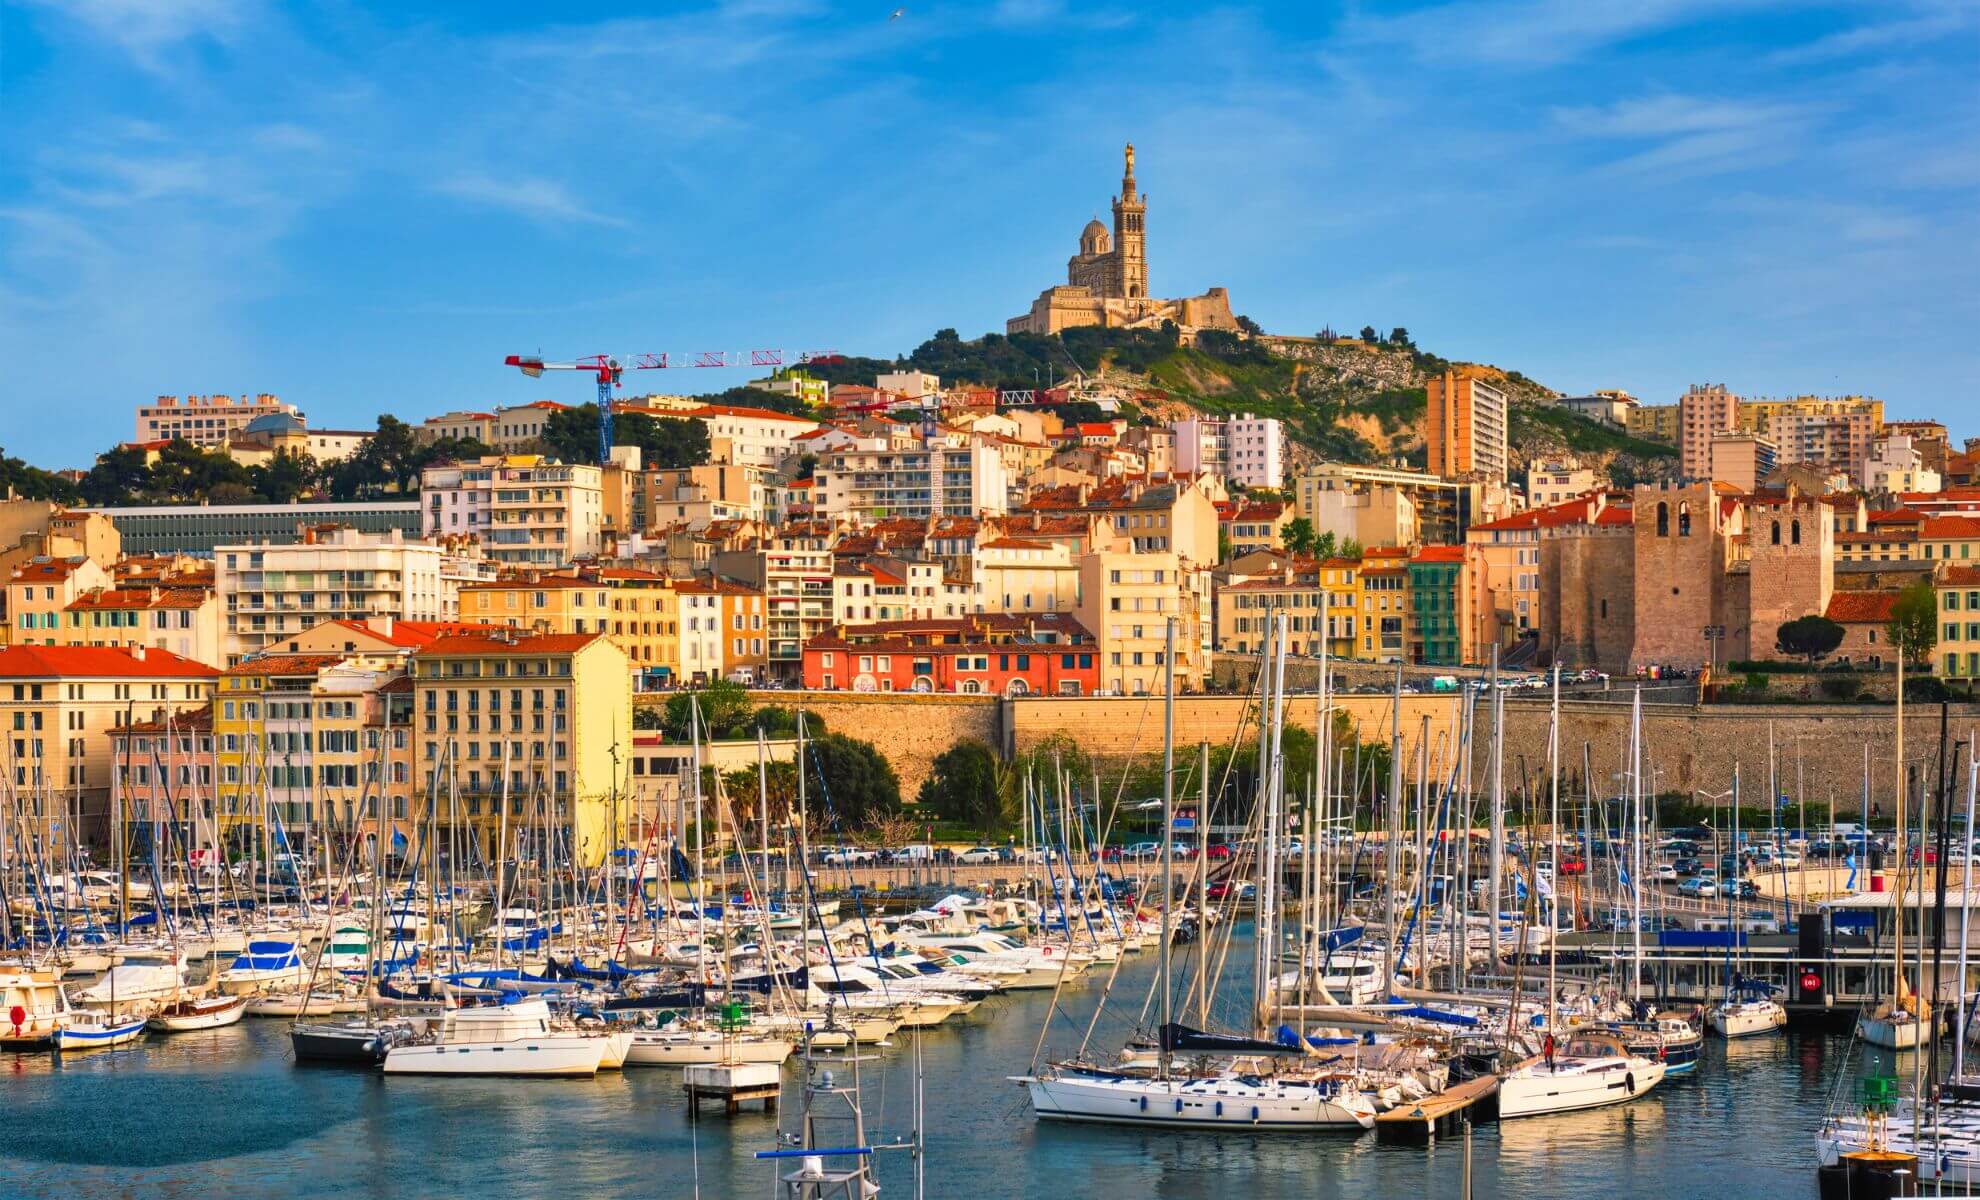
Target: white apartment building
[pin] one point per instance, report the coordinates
(271, 592)
(1897, 466)
(949, 475)
(750, 437)
(1020, 575)
(204, 420)
(911, 384)
(1244, 449)
(1548, 484)
(526, 510)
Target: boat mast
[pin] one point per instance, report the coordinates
(1554, 836)
(1168, 828)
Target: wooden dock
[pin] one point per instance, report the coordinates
(1441, 1113)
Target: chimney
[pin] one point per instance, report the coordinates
(137, 652)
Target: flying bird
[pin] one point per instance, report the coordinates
(898, 14)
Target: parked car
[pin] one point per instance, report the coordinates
(1144, 850)
(977, 856)
(1664, 873)
(1222, 889)
(1698, 886)
(1218, 850)
(846, 856)
(1574, 865)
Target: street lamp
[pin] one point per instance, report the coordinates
(1714, 634)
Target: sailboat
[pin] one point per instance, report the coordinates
(1748, 1007)
(96, 1032)
(192, 1013)
(508, 1039)
(1261, 1084)
(1899, 1023)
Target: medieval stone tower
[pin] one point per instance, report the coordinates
(1791, 563)
(1131, 251)
(1683, 541)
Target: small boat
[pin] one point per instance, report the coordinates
(97, 1033)
(349, 949)
(1746, 1018)
(356, 1042)
(262, 967)
(672, 1046)
(31, 1007)
(203, 1012)
(140, 980)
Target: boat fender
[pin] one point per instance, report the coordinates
(1178, 1103)
(1629, 1083)
(18, 1016)
(1254, 1112)
(1144, 1104)
(1220, 1108)
(1663, 1054)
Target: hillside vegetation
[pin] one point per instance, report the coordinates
(1352, 400)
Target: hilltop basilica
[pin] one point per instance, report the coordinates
(1107, 281)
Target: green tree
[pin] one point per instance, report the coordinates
(1326, 546)
(119, 477)
(284, 478)
(1914, 625)
(855, 782)
(646, 716)
(967, 785)
(1367, 334)
(725, 711)
(1249, 326)
(1298, 535)
(1812, 637)
(395, 452)
(665, 442)
(1399, 337)
(1224, 547)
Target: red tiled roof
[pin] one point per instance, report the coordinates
(732, 410)
(1013, 543)
(1444, 554)
(413, 633)
(1951, 527)
(1961, 575)
(285, 664)
(1858, 608)
(103, 598)
(48, 570)
(99, 662)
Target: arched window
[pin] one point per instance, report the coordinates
(1663, 519)
(1795, 532)
(1777, 533)
(1684, 518)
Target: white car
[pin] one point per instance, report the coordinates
(1664, 873)
(977, 856)
(846, 856)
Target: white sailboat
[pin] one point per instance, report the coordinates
(1592, 1071)
(512, 1039)
(205, 1012)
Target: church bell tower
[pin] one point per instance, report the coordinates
(1129, 210)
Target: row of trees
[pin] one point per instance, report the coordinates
(1299, 538)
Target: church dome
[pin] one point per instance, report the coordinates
(1095, 239)
(274, 423)
(1093, 229)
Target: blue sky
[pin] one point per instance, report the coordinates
(364, 208)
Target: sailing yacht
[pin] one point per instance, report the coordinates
(262, 967)
(1746, 1015)
(1229, 1099)
(196, 1013)
(140, 980)
(509, 1039)
(1593, 1070)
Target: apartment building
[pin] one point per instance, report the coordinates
(204, 420)
(1742, 460)
(527, 511)
(1465, 427)
(57, 707)
(461, 426)
(1245, 449)
(792, 568)
(992, 654)
(1382, 587)
(1704, 412)
(1505, 566)
(1126, 601)
(946, 475)
(1833, 434)
(1556, 481)
(750, 437)
(1442, 623)
(1655, 423)
(639, 610)
(184, 620)
(1897, 465)
(518, 429)
(39, 593)
(1022, 575)
(269, 593)
(542, 719)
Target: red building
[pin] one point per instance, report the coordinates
(1015, 654)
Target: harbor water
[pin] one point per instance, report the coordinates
(228, 1113)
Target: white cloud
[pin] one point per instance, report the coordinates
(147, 29)
(1533, 32)
(535, 198)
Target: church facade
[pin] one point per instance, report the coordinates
(1107, 281)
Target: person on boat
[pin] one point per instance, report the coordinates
(1547, 1049)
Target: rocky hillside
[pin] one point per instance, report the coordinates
(1345, 400)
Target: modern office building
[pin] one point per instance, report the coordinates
(200, 528)
(203, 420)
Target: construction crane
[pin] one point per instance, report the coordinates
(610, 373)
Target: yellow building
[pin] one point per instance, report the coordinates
(543, 719)
(1340, 587)
(639, 610)
(301, 732)
(1655, 423)
(1958, 652)
(58, 704)
(185, 621)
(1382, 584)
(1125, 601)
(40, 591)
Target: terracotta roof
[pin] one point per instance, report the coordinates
(285, 664)
(1439, 554)
(1951, 527)
(186, 720)
(547, 405)
(1885, 535)
(1012, 543)
(508, 641)
(412, 633)
(732, 410)
(1960, 575)
(1270, 510)
(1859, 608)
(99, 662)
(524, 583)
(102, 598)
(47, 570)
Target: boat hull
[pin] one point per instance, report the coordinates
(73, 1038)
(194, 1015)
(1194, 1104)
(1536, 1091)
(574, 1057)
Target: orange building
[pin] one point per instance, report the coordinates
(1465, 427)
